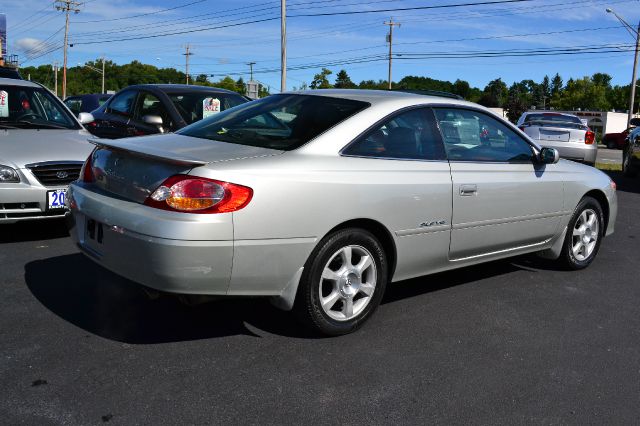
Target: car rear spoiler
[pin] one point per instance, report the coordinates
(148, 152)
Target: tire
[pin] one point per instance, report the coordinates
(586, 227)
(611, 145)
(627, 169)
(337, 295)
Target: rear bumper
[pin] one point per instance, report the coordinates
(144, 244)
(573, 151)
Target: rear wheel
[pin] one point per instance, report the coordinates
(342, 283)
(584, 234)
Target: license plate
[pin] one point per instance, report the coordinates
(55, 199)
(550, 135)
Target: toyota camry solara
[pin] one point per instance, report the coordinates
(318, 199)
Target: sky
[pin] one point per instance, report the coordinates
(446, 43)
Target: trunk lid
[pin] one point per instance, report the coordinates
(557, 132)
(133, 168)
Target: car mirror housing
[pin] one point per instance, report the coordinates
(85, 117)
(154, 120)
(549, 155)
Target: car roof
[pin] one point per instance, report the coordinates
(375, 97)
(16, 82)
(181, 88)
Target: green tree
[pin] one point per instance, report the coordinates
(343, 81)
(516, 103)
(495, 94)
(556, 85)
(582, 94)
(320, 80)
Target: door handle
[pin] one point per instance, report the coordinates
(468, 189)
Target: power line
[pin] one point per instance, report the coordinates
(142, 14)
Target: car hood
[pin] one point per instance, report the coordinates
(186, 149)
(24, 146)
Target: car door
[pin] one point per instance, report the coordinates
(148, 104)
(503, 199)
(404, 158)
(114, 122)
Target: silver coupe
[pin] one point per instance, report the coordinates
(318, 199)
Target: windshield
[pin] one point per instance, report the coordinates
(283, 122)
(196, 106)
(32, 108)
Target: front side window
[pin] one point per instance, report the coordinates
(123, 103)
(409, 135)
(194, 107)
(149, 104)
(283, 122)
(32, 107)
(471, 135)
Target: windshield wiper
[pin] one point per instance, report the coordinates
(31, 123)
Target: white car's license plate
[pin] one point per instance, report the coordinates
(55, 199)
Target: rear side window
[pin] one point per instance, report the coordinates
(283, 122)
(409, 135)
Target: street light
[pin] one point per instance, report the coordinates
(635, 33)
(96, 70)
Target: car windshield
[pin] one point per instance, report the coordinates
(196, 106)
(283, 122)
(32, 108)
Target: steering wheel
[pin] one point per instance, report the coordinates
(27, 114)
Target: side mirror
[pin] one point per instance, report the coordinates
(154, 120)
(85, 117)
(549, 155)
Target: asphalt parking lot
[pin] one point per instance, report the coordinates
(508, 342)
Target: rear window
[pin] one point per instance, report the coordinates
(552, 118)
(283, 122)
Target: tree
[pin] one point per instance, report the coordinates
(343, 81)
(584, 94)
(240, 86)
(495, 94)
(516, 102)
(556, 85)
(320, 80)
(202, 78)
(546, 86)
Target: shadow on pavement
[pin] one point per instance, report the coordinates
(625, 184)
(115, 308)
(33, 230)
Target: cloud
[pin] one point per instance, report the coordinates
(31, 45)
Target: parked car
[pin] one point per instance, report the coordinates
(10, 72)
(631, 154)
(616, 140)
(564, 132)
(358, 189)
(42, 148)
(86, 103)
(159, 108)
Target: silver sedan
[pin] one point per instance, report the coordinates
(318, 199)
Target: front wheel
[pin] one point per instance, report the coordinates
(342, 283)
(627, 169)
(584, 234)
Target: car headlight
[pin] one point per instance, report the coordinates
(8, 175)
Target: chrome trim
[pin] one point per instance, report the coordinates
(508, 220)
(493, 253)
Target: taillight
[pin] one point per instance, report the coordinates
(86, 174)
(589, 137)
(192, 194)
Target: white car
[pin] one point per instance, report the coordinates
(42, 148)
(358, 189)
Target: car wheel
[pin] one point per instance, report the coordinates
(342, 283)
(584, 234)
(627, 169)
(611, 144)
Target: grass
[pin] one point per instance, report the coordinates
(609, 166)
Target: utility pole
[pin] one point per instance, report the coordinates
(283, 45)
(66, 6)
(391, 24)
(186, 57)
(102, 74)
(55, 76)
(251, 64)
